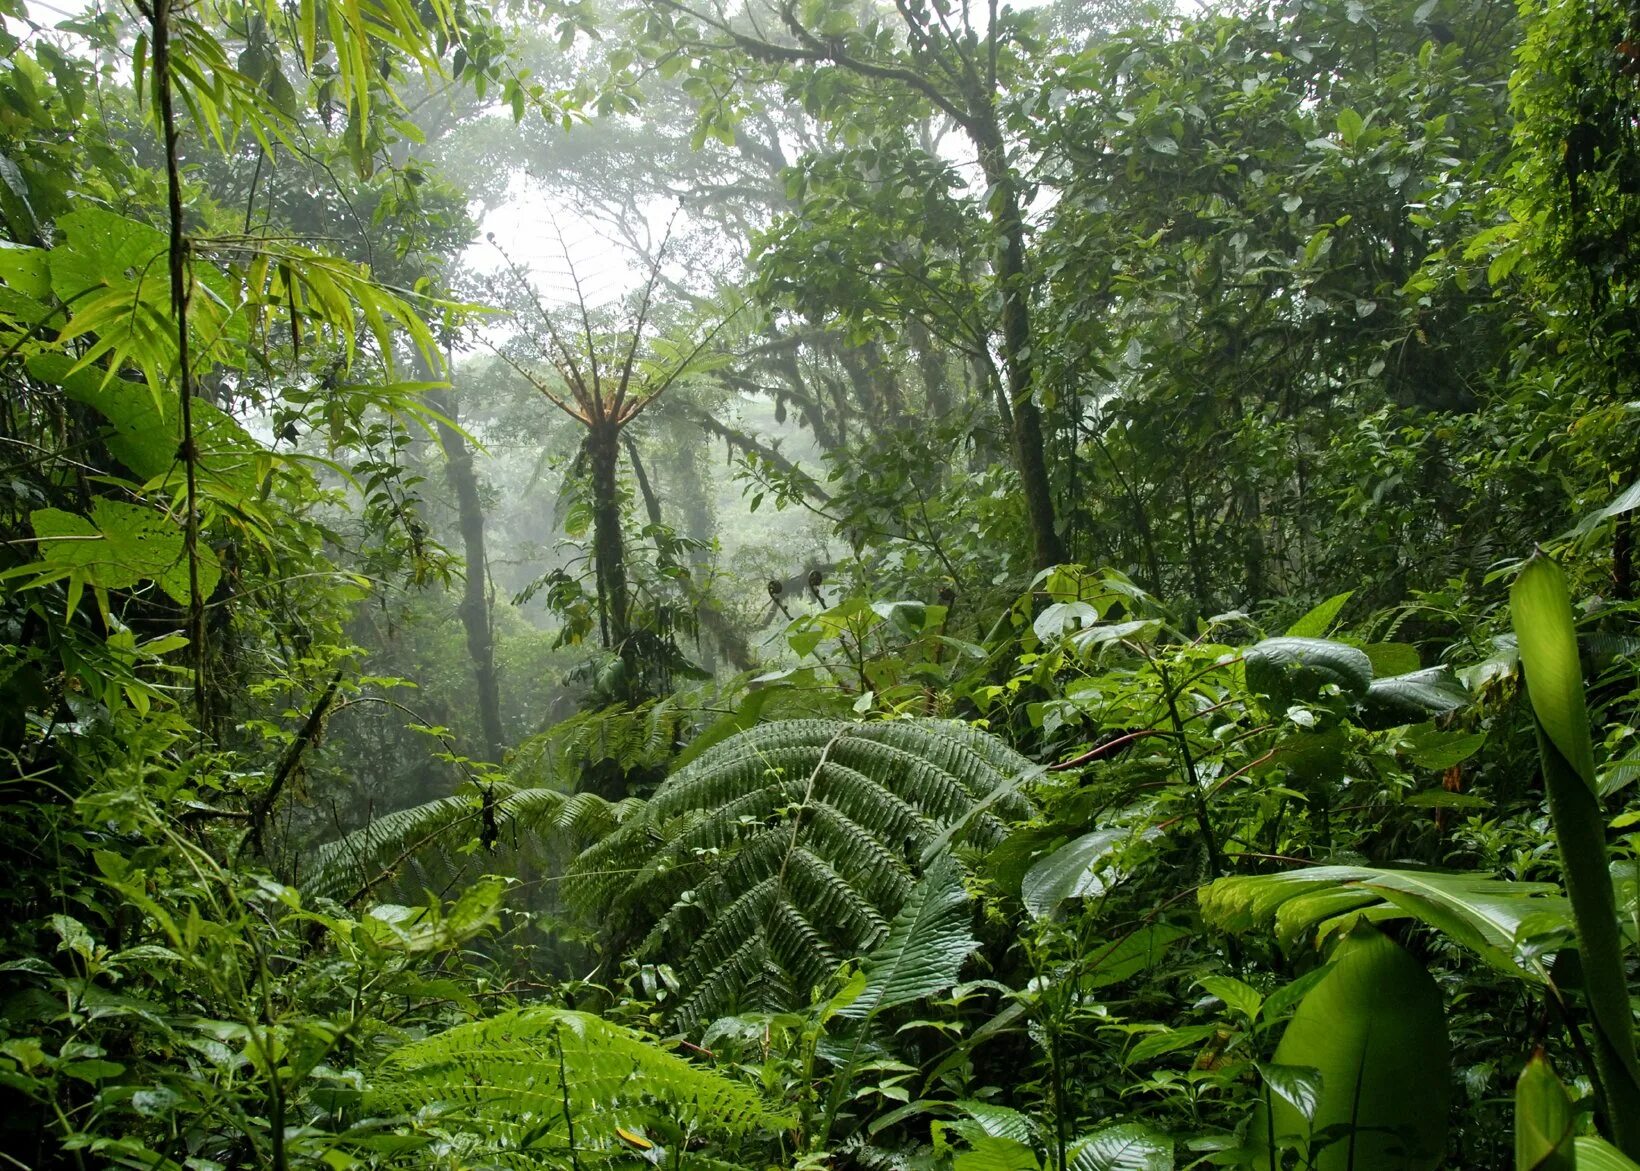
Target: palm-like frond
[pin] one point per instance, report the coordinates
(637, 737)
(548, 1087)
(782, 851)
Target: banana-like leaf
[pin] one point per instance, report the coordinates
(1596, 1154)
(1545, 1121)
(1483, 914)
(1375, 1028)
(1542, 617)
(1542, 614)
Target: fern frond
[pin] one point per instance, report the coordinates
(781, 851)
(527, 1079)
(630, 738)
(926, 945)
(421, 847)
(359, 861)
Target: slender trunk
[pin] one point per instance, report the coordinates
(603, 449)
(1017, 363)
(475, 606)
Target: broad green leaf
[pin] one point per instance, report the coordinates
(1168, 1040)
(1596, 1154)
(120, 545)
(1392, 658)
(1483, 914)
(1429, 748)
(1350, 125)
(1374, 1028)
(1626, 501)
(1131, 954)
(26, 269)
(1318, 621)
(1297, 1085)
(1129, 1146)
(146, 433)
(1075, 870)
(1236, 994)
(1059, 617)
(1545, 1121)
(1405, 699)
(1286, 668)
(1542, 618)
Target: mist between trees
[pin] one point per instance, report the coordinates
(808, 584)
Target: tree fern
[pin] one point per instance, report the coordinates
(547, 1087)
(782, 851)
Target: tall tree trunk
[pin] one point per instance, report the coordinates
(1018, 366)
(475, 605)
(603, 446)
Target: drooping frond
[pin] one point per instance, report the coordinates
(421, 848)
(627, 737)
(1479, 912)
(925, 946)
(549, 1087)
(782, 851)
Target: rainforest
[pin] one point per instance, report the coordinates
(819, 585)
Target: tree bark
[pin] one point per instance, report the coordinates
(1017, 362)
(603, 446)
(475, 606)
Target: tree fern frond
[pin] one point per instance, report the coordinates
(718, 992)
(926, 944)
(643, 736)
(425, 841)
(359, 861)
(781, 851)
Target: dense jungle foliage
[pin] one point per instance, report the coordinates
(819, 584)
